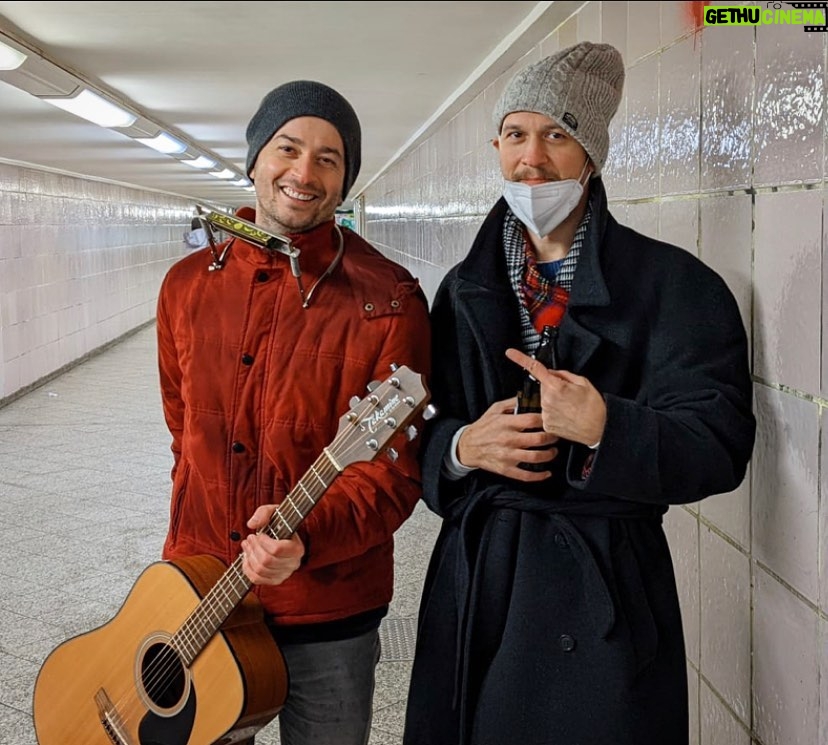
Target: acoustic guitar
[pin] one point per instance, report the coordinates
(188, 659)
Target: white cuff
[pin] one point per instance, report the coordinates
(453, 469)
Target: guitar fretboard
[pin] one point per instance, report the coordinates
(229, 591)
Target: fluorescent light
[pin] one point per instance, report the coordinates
(242, 182)
(163, 143)
(10, 58)
(225, 174)
(200, 162)
(95, 109)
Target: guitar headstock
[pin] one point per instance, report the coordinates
(368, 427)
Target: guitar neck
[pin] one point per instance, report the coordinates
(229, 591)
(303, 497)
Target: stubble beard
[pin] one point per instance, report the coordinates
(278, 218)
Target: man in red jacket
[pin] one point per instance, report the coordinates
(257, 367)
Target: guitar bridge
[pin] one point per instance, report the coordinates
(110, 719)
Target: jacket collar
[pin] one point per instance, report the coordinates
(484, 287)
(317, 249)
(485, 264)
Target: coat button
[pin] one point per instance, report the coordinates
(247, 359)
(262, 276)
(235, 536)
(238, 447)
(567, 642)
(560, 540)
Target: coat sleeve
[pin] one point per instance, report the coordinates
(169, 374)
(690, 431)
(449, 397)
(378, 495)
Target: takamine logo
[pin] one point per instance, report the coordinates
(811, 16)
(372, 423)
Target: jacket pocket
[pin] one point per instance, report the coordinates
(635, 606)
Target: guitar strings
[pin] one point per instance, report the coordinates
(164, 670)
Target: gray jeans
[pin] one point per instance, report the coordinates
(331, 694)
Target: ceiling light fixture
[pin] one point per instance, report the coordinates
(94, 108)
(163, 143)
(200, 162)
(29, 70)
(10, 58)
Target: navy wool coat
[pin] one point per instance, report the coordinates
(550, 613)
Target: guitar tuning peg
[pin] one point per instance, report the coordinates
(373, 385)
(411, 432)
(429, 412)
(354, 401)
(394, 367)
(392, 455)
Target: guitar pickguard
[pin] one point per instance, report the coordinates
(175, 730)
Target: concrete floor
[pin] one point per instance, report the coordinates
(84, 489)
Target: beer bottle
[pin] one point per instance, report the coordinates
(529, 397)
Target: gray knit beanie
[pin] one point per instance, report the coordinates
(579, 87)
(307, 98)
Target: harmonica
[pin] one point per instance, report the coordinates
(249, 231)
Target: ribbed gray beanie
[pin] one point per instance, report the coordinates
(579, 87)
(307, 98)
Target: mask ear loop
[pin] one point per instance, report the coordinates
(584, 170)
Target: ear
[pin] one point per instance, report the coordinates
(496, 143)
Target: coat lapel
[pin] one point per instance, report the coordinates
(493, 315)
(493, 320)
(490, 306)
(576, 342)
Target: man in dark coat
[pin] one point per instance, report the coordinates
(550, 613)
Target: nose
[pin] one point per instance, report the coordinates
(534, 153)
(304, 168)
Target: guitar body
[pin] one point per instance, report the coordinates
(188, 659)
(104, 687)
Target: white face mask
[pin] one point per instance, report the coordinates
(543, 207)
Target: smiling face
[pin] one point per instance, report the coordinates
(299, 176)
(534, 149)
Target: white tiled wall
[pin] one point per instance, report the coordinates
(81, 262)
(718, 147)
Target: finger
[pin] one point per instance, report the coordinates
(521, 474)
(536, 369)
(539, 456)
(518, 357)
(532, 435)
(506, 406)
(569, 377)
(261, 516)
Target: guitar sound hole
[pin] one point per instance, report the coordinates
(162, 674)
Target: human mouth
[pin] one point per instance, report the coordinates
(300, 195)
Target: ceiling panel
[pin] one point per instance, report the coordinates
(201, 69)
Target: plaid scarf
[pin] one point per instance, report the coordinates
(514, 245)
(546, 302)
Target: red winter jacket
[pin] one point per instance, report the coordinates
(253, 387)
